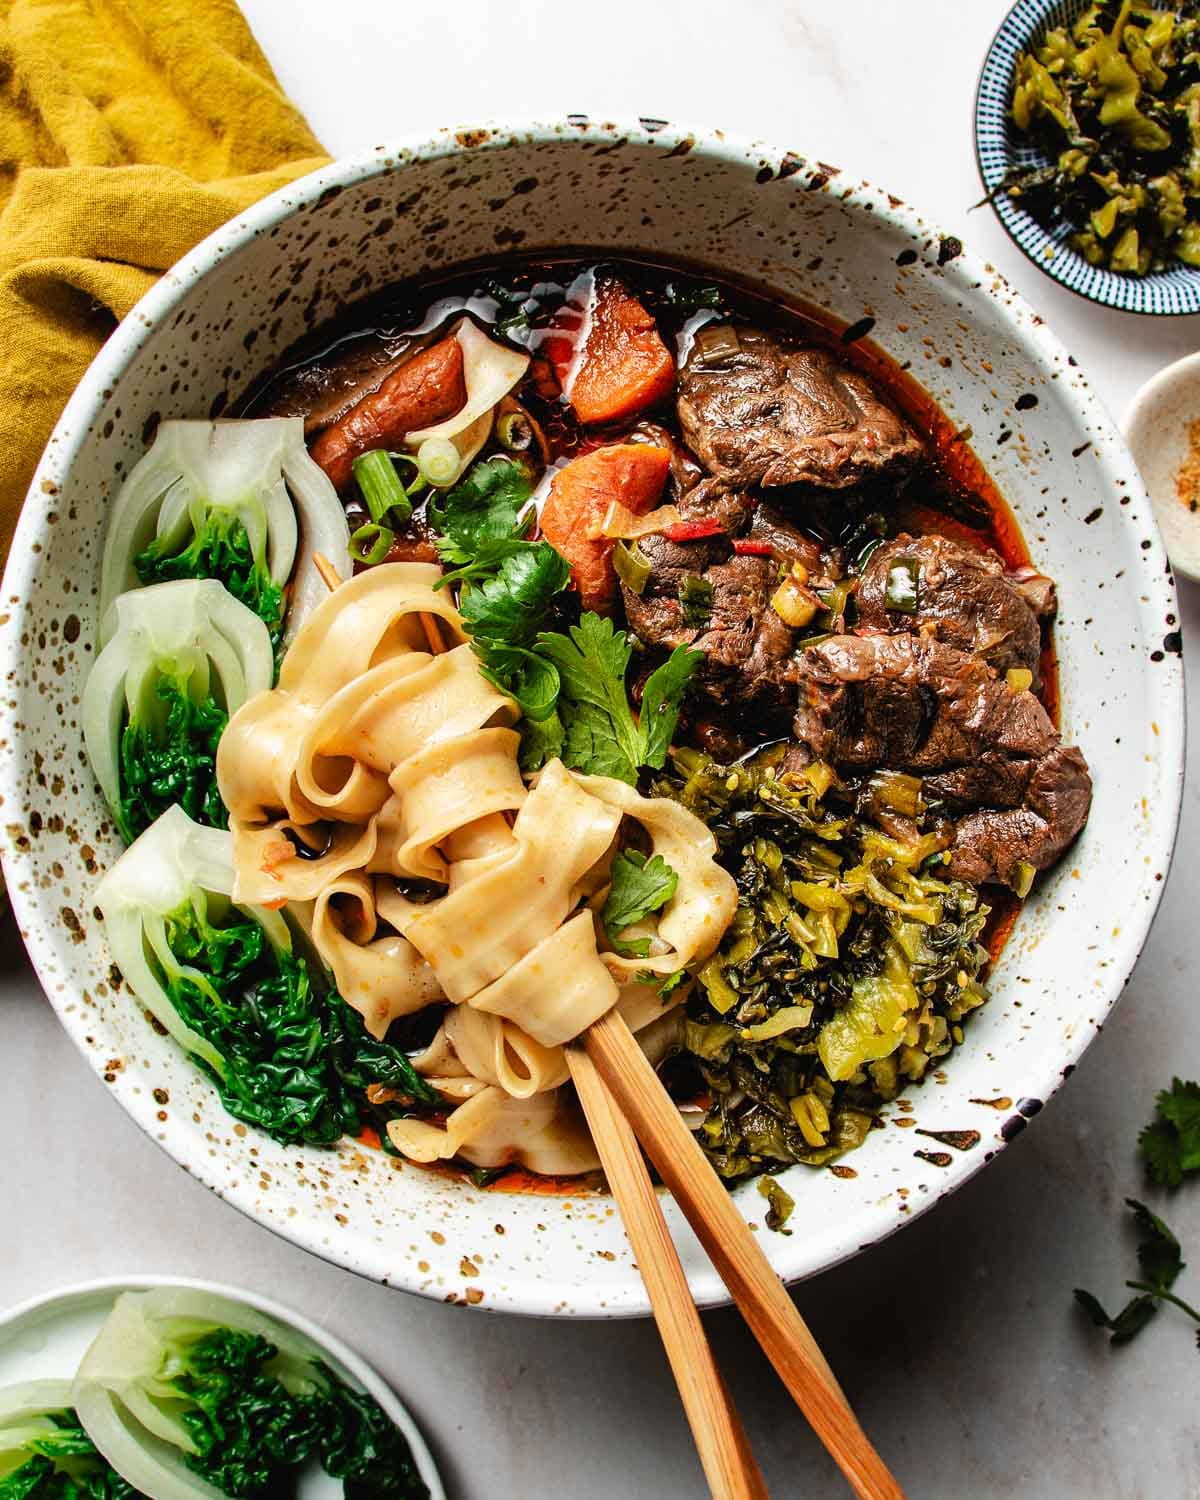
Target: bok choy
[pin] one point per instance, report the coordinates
(44, 1452)
(241, 502)
(181, 657)
(286, 1054)
(192, 1396)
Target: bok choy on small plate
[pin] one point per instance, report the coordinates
(179, 1390)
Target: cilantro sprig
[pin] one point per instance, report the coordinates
(640, 886)
(571, 688)
(1161, 1260)
(599, 732)
(1171, 1142)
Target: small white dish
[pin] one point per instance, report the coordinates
(46, 1337)
(1158, 425)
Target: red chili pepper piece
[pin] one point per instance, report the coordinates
(692, 531)
(746, 546)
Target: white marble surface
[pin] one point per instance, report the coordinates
(956, 1340)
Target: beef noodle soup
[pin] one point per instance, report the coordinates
(690, 663)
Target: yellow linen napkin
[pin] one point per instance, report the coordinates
(129, 130)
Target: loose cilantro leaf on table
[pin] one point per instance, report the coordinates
(601, 736)
(639, 886)
(1171, 1142)
(1161, 1260)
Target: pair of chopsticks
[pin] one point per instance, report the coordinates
(625, 1103)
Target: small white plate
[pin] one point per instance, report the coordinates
(1156, 429)
(46, 1337)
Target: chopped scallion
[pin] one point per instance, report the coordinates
(514, 431)
(633, 567)
(371, 543)
(381, 487)
(439, 462)
(695, 596)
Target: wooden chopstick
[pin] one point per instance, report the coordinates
(725, 1456)
(618, 1089)
(760, 1295)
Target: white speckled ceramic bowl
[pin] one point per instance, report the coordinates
(751, 211)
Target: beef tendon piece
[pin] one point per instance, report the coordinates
(988, 751)
(426, 390)
(962, 596)
(756, 412)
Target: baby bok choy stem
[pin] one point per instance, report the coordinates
(193, 1396)
(181, 657)
(239, 501)
(286, 1053)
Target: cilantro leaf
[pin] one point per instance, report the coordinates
(639, 886)
(601, 736)
(509, 608)
(1171, 1142)
(530, 679)
(1161, 1260)
(541, 740)
(1158, 1252)
(661, 700)
(480, 517)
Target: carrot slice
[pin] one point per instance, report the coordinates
(580, 493)
(624, 366)
(426, 390)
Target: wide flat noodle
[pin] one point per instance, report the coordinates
(705, 898)
(382, 977)
(486, 926)
(381, 759)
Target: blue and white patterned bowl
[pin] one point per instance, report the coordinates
(998, 147)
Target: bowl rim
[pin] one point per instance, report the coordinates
(545, 1296)
(363, 1371)
(1126, 294)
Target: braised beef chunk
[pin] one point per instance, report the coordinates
(990, 844)
(701, 595)
(962, 595)
(910, 702)
(1037, 590)
(756, 412)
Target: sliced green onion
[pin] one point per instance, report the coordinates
(439, 462)
(633, 567)
(514, 431)
(371, 543)
(381, 487)
(903, 585)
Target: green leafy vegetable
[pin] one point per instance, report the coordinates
(639, 887)
(178, 659)
(1161, 1261)
(1113, 101)
(1171, 1142)
(170, 1392)
(780, 1204)
(848, 967)
(228, 984)
(600, 735)
(62, 1462)
(294, 1064)
(169, 757)
(510, 608)
(480, 520)
(220, 549)
(695, 599)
